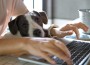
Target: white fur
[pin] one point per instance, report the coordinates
(32, 26)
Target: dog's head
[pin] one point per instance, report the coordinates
(30, 24)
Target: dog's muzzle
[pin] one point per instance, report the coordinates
(28, 25)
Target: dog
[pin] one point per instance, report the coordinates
(28, 25)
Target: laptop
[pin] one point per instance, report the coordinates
(80, 52)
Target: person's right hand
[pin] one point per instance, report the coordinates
(45, 47)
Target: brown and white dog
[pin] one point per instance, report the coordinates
(28, 25)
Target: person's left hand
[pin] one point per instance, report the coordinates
(68, 30)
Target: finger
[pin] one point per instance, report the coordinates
(78, 25)
(82, 26)
(63, 47)
(55, 43)
(59, 54)
(75, 29)
(71, 27)
(62, 34)
(46, 57)
(66, 28)
(42, 54)
(69, 62)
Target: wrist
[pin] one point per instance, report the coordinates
(52, 31)
(26, 43)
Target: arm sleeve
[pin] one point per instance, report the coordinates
(19, 8)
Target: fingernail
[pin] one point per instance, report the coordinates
(70, 62)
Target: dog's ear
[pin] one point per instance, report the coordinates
(44, 17)
(23, 25)
(37, 13)
(13, 26)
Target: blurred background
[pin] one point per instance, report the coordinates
(59, 12)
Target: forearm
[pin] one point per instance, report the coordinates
(11, 46)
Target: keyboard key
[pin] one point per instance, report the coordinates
(79, 50)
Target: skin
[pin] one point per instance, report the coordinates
(42, 47)
(69, 29)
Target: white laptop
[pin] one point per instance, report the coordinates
(80, 51)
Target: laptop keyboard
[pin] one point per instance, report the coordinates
(79, 53)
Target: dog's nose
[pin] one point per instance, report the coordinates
(37, 33)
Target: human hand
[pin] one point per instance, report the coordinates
(45, 47)
(69, 29)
